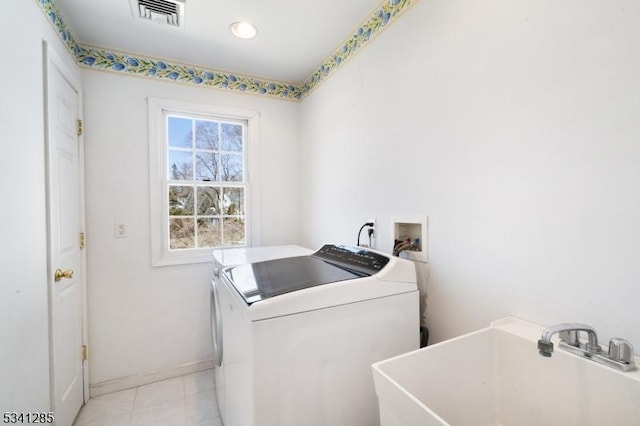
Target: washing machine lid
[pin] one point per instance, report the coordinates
(226, 257)
(264, 280)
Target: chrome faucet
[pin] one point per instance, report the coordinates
(568, 333)
(620, 355)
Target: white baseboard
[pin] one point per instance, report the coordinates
(129, 382)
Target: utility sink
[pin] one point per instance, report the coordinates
(495, 376)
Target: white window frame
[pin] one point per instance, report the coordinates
(161, 255)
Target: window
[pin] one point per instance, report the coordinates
(199, 180)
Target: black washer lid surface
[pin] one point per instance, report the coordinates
(263, 280)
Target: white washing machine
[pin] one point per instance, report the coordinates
(295, 332)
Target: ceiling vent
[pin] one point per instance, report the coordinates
(168, 12)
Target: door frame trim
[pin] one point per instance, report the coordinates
(50, 59)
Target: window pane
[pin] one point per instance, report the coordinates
(180, 165)
(207, 135)
(207, 166)
(233, 201)
(180, 200)
(181, 233)
(231, 137)
(209, 234)
(205, 181)
(179, 132)
(233, 231)
(232, 169)
(208, 200)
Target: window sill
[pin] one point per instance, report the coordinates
(175, 259)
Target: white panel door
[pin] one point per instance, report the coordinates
(64, 203)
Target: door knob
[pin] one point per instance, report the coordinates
(60, 274)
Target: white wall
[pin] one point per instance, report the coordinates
(141, 318)
(514, 126)
(24, 344)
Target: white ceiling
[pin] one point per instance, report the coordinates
(295, 36)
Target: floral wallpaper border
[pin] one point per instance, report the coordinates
(59, 23)
(100, 59)
(386, 13)
(97, 58)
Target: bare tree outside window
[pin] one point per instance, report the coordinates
(206, 176)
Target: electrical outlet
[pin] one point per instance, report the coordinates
(121, 230)
(371, 233)
(373, 227)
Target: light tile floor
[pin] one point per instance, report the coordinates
(183, 401)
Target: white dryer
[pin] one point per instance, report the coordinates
(295, 332)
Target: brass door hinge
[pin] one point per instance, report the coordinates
(84, 352)
(79, 127)
(82, 241)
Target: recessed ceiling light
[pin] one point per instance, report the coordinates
(243, 29)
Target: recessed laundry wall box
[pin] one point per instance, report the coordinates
(410, 238)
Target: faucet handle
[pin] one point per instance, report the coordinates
(620, 350)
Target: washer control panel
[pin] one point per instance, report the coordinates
(357, 259)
